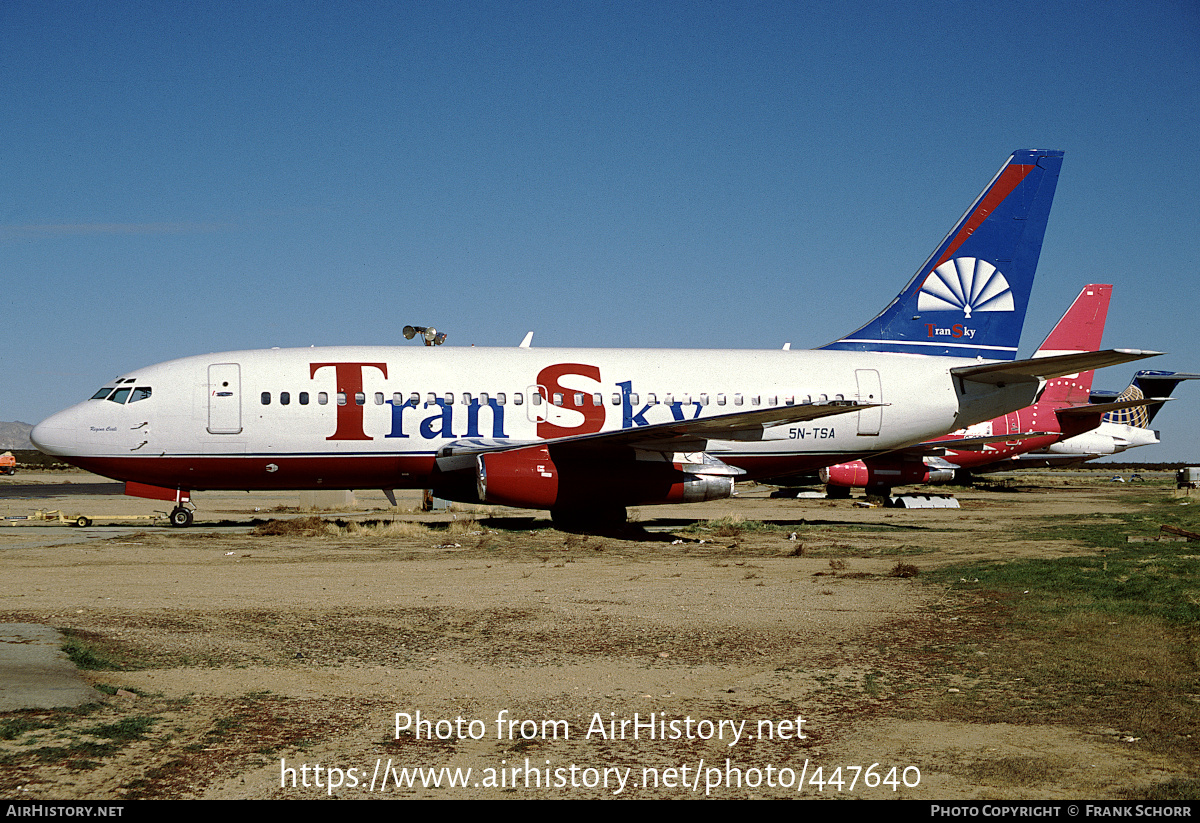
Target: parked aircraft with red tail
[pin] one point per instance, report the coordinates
(1122, 429)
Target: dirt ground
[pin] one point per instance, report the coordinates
(330, 665)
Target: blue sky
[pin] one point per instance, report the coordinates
(206, 176)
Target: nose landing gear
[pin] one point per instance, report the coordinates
(181, 517)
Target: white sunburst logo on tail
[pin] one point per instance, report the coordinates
(965, 283)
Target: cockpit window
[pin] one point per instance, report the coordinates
(140, 393)
(120, 394)
(103, 393)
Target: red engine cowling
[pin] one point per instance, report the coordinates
(858, 474)
(531, 478)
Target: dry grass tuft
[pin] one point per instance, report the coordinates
(296, 527)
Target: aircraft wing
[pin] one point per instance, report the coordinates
(674, 436)
(1047, 368)
(936, 447)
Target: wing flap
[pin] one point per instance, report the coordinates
(673, 436)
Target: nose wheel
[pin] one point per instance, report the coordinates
(181, 517)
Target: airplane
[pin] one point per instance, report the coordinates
(1062, 411)
(1119, 430)
(585, 433)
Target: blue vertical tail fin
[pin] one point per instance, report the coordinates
(970, 296)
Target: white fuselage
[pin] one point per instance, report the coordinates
(376, 417)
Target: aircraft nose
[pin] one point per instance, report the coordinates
(53, 435)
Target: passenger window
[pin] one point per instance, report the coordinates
(597, 399)
(720, 400)
(341, 398)
(651, 399)
(558, 398)
(266, 398)
(755, 400)
(737, 399)
(284, 398)
(119, 395)
(483, 398)
(360, 399)
(578, 398)
(518, 398)
(536, 398)
(501, 398)
(616, 399)
(378, 398)
(303, 398)
(323, 398)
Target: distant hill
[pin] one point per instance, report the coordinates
(15, 435)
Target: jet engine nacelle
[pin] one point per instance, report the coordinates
(531, 478)
(858, 475)
(1086, 443)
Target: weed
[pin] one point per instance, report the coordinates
(311, 526)
(89, 651)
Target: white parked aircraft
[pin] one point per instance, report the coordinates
(587, 432)
(1118, 431)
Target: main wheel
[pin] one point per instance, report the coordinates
(181, 517)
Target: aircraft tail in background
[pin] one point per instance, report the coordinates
(1147, 383)
(1080, 329)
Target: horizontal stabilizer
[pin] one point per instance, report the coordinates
(1105, 408)
(1076, 420)
(1047, 368)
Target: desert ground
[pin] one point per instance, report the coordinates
(753, 647)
